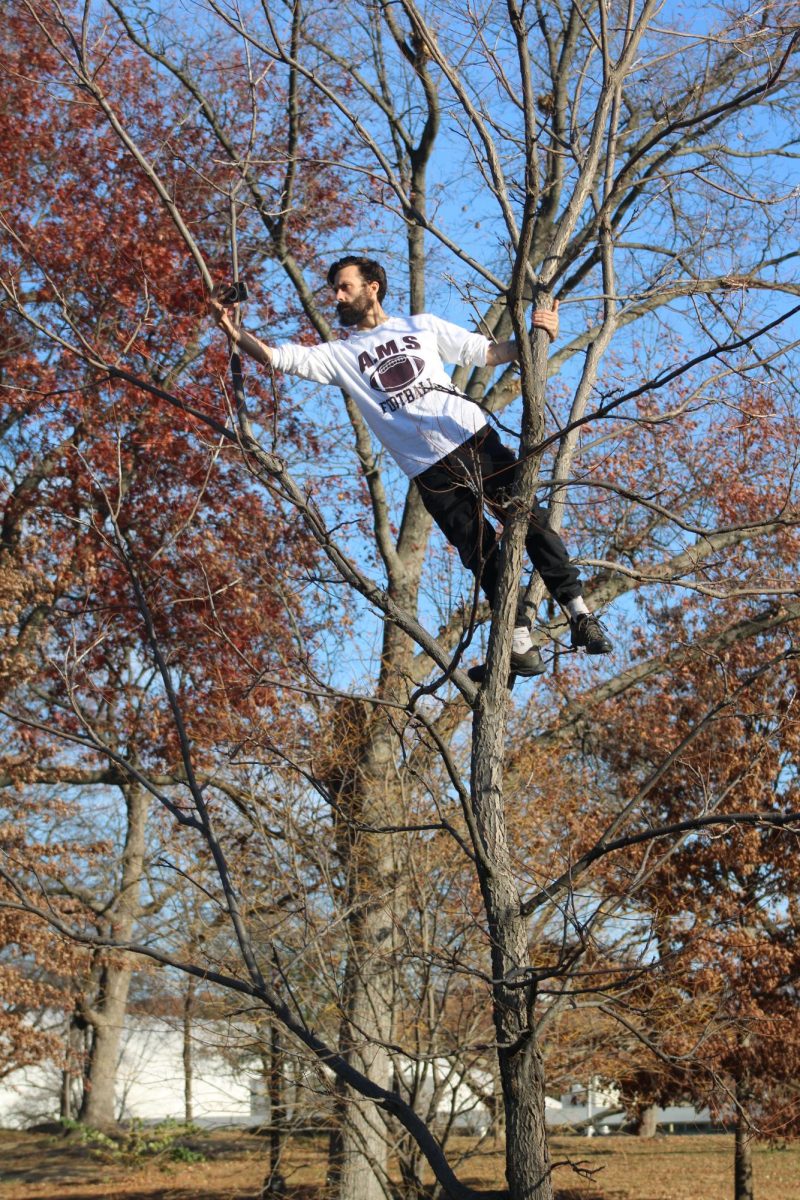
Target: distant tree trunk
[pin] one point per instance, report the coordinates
(76, 1030)
(188, 1064)
(98, 1105)
(647, 1121)
(743, 1156)
(107, 1015)
(65, 1105)
(275, 1184)
(276, 1107)
(65, 1098)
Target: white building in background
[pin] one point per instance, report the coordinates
(150, 1079)
(228, 1087)
(597, 1109)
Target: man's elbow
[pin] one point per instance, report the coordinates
(500, 353)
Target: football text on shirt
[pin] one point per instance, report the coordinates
(392, 371)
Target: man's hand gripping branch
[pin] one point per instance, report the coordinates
(506, 352)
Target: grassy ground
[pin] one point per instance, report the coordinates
(46, 1167)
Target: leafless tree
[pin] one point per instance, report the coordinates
(637, 172)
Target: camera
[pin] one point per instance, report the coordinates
(236, 293)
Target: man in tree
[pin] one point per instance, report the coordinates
(393, 369)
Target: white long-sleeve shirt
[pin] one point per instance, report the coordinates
(396, 376)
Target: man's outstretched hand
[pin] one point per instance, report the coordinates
(547, 319)
(222, 313)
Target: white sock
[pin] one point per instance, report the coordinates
(576, 607)
(521, 640)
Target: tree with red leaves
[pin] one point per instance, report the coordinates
(100, 484)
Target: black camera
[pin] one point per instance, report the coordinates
(236, 293)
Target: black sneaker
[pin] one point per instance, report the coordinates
(530, 662)
(527, 664)
(587, 631)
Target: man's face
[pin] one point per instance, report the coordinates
(354, 297)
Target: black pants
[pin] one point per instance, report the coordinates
(455, 490)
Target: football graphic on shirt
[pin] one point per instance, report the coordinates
(396, 372)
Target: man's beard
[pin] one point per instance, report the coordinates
(351, 314)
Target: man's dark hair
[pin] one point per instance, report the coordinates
(370, 271)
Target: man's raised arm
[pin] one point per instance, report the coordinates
(239, 337)
(506, 352)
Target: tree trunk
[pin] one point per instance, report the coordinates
(362, 1141)
(75, 1037)
(368, 801)
(275, 1183)
(188, 1064)
(647, 1122)
(107, 1015)
(514, 990)
(360, 1147)
(519, 1057)
(65, 1096)
(743, 1157)
(98, 1106)
(363, 776)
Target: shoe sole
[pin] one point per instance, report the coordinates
(605, 649)
(478, 673)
